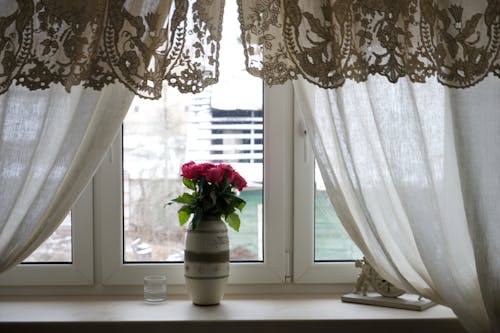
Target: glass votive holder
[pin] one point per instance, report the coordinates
(155, 288)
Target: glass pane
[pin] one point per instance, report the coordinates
(57, 248)
(331, 241)
(224, 124)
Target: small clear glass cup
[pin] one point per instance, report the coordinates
(155, 288)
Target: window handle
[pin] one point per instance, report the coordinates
(303, 133)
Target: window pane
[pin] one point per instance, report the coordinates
(57, 248)
(224, 124)
(331, 241)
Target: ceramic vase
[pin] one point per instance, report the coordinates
(206, 261)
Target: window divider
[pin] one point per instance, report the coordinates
(305, 269)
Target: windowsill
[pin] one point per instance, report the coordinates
(244, 313)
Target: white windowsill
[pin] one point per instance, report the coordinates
(241, 313)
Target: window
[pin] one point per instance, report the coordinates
(293, 204)
(260, 253)
(159, 136)
(231, 122)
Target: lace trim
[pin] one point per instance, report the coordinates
(328, 42)
(97, 42)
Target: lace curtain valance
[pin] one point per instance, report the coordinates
(97, 42)
(328, 42)
(145, 44)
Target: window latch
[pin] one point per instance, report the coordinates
(303, 132)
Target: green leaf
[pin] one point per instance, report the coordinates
(235, 201)
(189, 183)
(234, 221)
(186, 198)
(241, 205)
(184, 214)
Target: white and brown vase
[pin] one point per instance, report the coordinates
(206, 261)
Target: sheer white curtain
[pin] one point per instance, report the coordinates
(476, 120)
(399, 161)
(51, 142)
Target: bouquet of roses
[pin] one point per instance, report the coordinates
(215, 193)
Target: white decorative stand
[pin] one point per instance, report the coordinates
(386, 294)
(406, 301)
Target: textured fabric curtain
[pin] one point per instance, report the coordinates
(476, 120)
(51, 142)
(412, 170)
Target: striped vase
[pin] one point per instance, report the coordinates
(206, 261)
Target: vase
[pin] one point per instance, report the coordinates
(206, 261)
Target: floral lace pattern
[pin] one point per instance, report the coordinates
(141, 43)
(330, 41)
(97, 42)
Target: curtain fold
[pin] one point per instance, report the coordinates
(398, 182)
(476, 120)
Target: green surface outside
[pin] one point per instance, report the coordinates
(331, 240)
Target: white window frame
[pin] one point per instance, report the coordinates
(278, 159)
(288, 228)
(79, 272)
(305, 269)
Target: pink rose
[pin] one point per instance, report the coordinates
(205, 166)
(228, 171)
(190, 171)
(239, 181)
(193, 171)
(215, 174)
